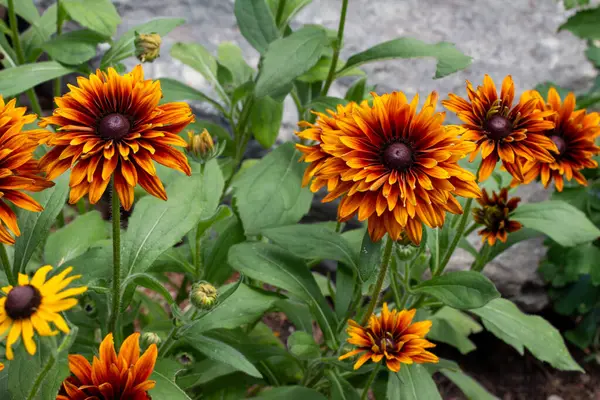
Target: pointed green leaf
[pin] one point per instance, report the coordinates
(256, 23)
(98, 15)
(18, 79)
(370, 257)
(265, 120)
(412, 382)
(165, 388)
(469, 386)
(584, 24)
(224, 353)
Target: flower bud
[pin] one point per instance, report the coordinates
(184, 358)
(202, 148)
(147, 46)
(149, 338)
(203, 295)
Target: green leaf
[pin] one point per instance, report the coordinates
(584, 24)
(322, 104)
(75, 238)
(165, 388)
(469, 386)
(412, 382)
(224, 353)
(98, 15)
(265, 120)
(244, 306)
(217, 269)
(25, 9)
(268, 263)
(320, 71)
(370, 255)
(144, 280)
(544, 88)
(215, 131)
(230, 56)
(298, 314)
(173, 90)
(273, 184)
(156, 225)
(75, 47)
(303, 346)
(35, 227)
(453, 327)
(197, 57)
(506, 321)
(341, 389)
(256, 23)
(289, 57)
(358, 91)
(124, 47)
(95, 264)
(314, 241)
(290, 9)
(460, 289)
(561, 221)
(38, 34)
(513, 238)
(290, 393)
(14, 81)
(345, 282)
(449, 59)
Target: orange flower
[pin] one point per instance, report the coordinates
(494, 215)
(574, 134)
(112, 125)
(110, 376)
(500, 130)
(393, 336)
(392, 165)
(18, 170)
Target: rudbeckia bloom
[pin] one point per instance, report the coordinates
(393, 166)
(494, 215)
(33, 304)
(111, 376)
(574, 134)
(18, 170)
(501, 130)
(112, 126)
(392, 336)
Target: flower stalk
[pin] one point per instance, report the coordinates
(336, 50)
(385, 262)
(6, 265)
(116, 289)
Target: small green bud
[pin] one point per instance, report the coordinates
(203, 295)
(149, 338)
(147, 46)
(185, 358)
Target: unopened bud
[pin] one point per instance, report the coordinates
(149, 338)
(185, 358)
(147, 46)
(201, 147)
(203, 295)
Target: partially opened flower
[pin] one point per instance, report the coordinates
(111, 376)
(112, 126)
(574, 135)
(392, 337)
(33, 304)
(494, 215)
(501, 130)
(393, 166)
(18, 170)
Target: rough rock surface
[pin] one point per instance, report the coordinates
(518, 38)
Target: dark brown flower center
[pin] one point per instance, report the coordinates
(113, 126)
(560, 143)
(398, 156)
(387, 343)
(498, 127)
(22, 302)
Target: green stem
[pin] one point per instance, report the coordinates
(459, 234)
(6, 265)
(41, 376)
(482, 258)
(298, 104)
(338, 227)
(372, 377)
(12, 18)
(60, 219)
(168, 343)
(59, 22)
(470, 229)
(116, 289)
(336, 51)
(387, 253)
(280, 9)
(198, 260)
(394, 284)
(81, 207)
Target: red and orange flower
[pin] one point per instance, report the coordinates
(494, 215)
(112, 126)
(574, 134)
(503, 131)
(111, 376)
(392, 336)
(18, 170)
(393, 166)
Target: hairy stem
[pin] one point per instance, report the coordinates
(372, 377)
(336, 51)
(6, 265)
(116, 289)
(385, 262)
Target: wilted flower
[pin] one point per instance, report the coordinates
(111, 376)
(33, 304)
(113, 126)
(203, 295)
(147, 46)
(393, 337)
(500, 130)
(494, 215)
(393, 166)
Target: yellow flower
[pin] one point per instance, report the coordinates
(392, 336)
(32, 304)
